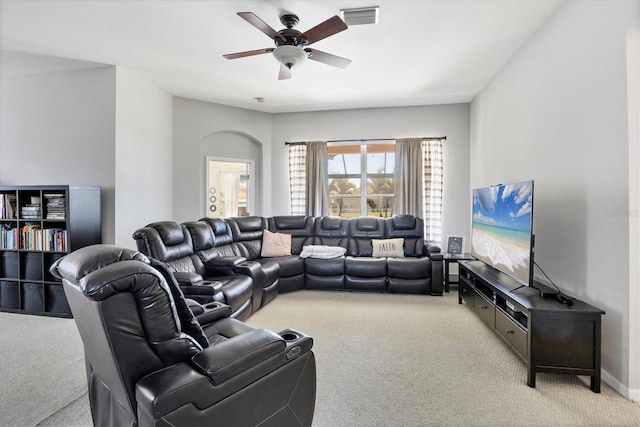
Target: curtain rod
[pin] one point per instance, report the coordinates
(367, 139)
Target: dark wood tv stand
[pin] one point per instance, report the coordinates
(547, 335)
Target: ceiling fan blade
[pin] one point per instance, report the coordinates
(327, 58)
(252, 19)
(285, 73)
(247, 53)
(328, 28)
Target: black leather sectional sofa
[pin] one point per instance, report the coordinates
(221, 260)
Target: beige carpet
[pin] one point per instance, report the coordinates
(383, 360)
(411, 360)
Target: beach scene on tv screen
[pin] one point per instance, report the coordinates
(501, 231)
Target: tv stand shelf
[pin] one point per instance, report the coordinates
(547, 335)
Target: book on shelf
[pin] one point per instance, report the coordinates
(33, 237)
(7, 206)
(9, 237)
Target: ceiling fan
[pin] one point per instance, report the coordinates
(292, 45)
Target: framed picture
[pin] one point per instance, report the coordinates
(455, 245)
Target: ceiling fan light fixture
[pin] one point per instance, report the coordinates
(360, 16)
(289, 56)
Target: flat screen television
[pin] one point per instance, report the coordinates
(502, 229)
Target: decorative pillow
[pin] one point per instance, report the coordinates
(322, 252)
(388, 248)
(275, 244)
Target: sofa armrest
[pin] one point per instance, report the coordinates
(432, 249)
(224, 265)
(202, 288)
(230, 358)
(187, 278)
(437, 275)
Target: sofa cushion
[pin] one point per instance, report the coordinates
(324, 267)
(409, 268)
(387, 248)
(365, 267)
(275, 244)
(290, 266)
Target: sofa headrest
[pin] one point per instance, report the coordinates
(201, 235)
(403, 222)
(221, 231)
(249, 223)
(171, 233)
(218, 226)
(289, 222)
(366, 223)
(331, 223)
(247, 228)
(83, 261)
(405, 226)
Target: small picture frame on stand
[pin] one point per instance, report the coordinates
(455, 245)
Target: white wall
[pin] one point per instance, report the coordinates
(143, 152)
(451, 121)
(59, 128)
(633, 101)
(557, 113)
(203, 129)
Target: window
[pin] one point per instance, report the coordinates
(361, 179)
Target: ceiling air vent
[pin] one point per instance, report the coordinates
(360, 16)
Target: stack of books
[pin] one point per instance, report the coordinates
(31, 210)
(56, 206)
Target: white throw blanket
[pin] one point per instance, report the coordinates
(321, 251)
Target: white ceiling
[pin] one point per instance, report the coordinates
(420, 52)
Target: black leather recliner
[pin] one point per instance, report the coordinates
(150, 362)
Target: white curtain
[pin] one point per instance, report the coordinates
(317, 179)
(297, 178)
(231, 186)
(408, 180)
(433, 171)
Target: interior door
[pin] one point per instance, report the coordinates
(229, 187)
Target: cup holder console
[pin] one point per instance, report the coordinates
(296, 342)
(249, 264)
(290, 336)
(213, 305)
(213, 311)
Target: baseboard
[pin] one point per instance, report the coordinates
(623, 390)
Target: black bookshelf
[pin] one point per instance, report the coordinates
(39, 225)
